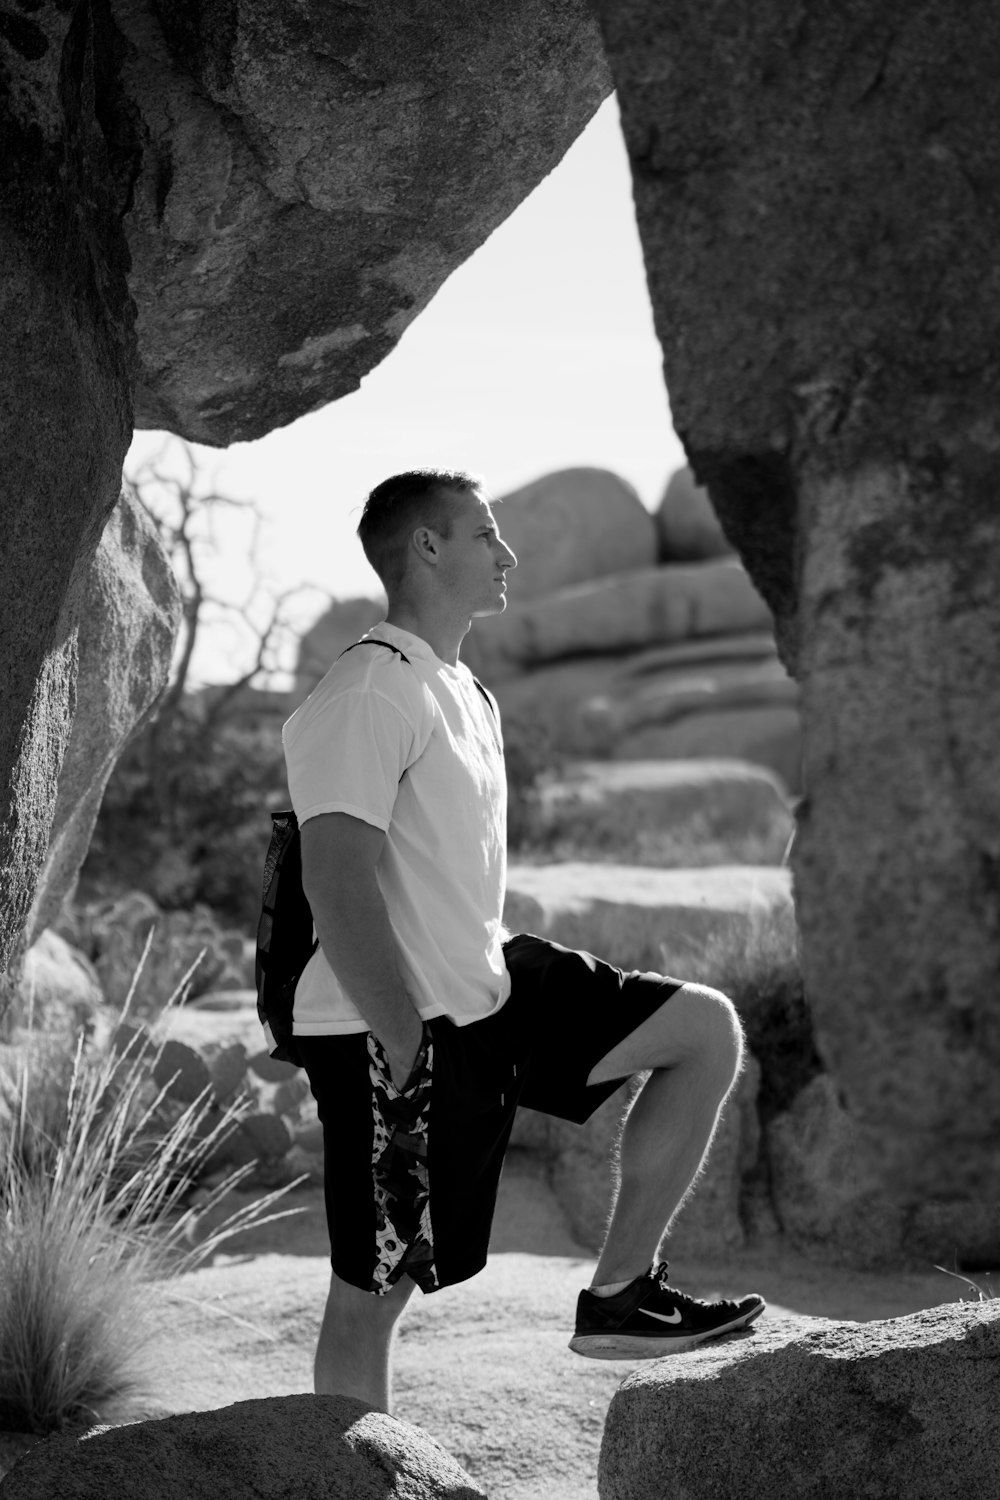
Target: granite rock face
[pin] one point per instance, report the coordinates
(330, 1446)
(901, 1407)
(310, 176)
(809, 192)
(128, 622)
(69, 150)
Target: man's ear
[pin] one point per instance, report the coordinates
(425, 542)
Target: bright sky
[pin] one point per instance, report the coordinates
(537, 354)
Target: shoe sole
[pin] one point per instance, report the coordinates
(613, 1345)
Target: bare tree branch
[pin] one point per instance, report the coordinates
(184, 505)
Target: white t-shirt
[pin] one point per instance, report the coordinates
(413, 748)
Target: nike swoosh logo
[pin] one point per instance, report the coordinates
(674, 1317)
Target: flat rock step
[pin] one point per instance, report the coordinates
(631, 915)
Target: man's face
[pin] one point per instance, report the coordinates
(474, 559)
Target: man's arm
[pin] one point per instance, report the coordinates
(339, 855)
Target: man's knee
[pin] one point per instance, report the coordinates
(711, 1030)
(696, 1027)
(356, 1309)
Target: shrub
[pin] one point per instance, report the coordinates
(185, 814)
(94, 1172)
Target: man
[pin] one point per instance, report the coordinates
(421, 1024)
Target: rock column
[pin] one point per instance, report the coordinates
(818, 194)
(65, 408)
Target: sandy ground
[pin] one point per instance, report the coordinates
(483, 1367)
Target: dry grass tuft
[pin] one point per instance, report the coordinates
(93, 1178)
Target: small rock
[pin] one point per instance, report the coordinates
(192, 1076)
(268, 1134)
(270, 1069)
(228, 1069)
(310, 1138)
(129, 1039)
(301, 1163)
(59, 984)
(291, 1094)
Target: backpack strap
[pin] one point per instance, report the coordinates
(486, 697)
(373, 640)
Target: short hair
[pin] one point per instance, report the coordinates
(396, 506)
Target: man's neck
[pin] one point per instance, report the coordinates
(443, 635)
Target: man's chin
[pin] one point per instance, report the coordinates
(496, 608)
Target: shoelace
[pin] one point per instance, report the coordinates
(660, 1275)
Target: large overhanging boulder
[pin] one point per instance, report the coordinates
(817, 194)
(216, 218)
(311, 175)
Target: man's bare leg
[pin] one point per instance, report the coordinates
(694, 1046)
(355, 1342)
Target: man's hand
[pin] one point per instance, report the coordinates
(339, 856)
(403, 1055)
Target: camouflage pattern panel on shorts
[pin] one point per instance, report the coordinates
(404, 1244)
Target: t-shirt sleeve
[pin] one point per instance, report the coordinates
(348, 756)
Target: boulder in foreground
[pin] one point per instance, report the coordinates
(306, 1447)
(902, 1407)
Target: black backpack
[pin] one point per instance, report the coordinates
(285, 937)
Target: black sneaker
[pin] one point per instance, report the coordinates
(649, 1319)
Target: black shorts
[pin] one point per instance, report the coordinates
(565, 1012)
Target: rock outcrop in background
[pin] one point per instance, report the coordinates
(816, 192)
(627, 635)
(215, 219)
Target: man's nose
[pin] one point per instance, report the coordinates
(507, 558)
